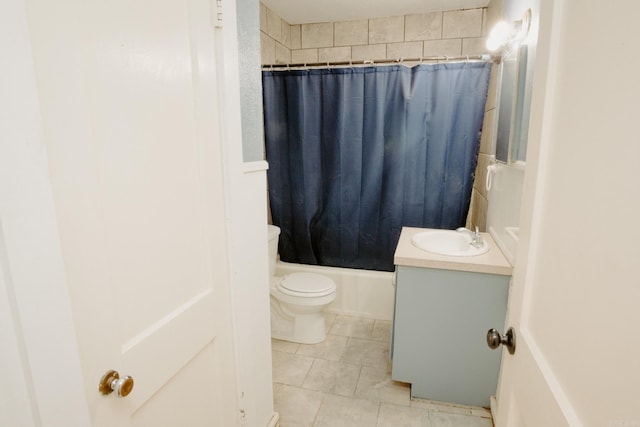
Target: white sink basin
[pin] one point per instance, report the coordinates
(448, 242)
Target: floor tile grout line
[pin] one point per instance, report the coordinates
(309, 370)
(315, 418)
(355, 389)
(365, 338)
(378, 414)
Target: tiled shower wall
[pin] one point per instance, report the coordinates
(452, 33)
(479, 197)
(479, 200)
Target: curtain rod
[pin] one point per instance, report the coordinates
(494, 58)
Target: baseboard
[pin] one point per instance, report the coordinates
(493, 406)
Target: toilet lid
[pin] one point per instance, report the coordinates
(307, 284)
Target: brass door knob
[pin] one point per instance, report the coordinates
(111, 382)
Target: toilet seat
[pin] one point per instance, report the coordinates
(306, 285)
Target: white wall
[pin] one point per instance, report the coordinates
(584, 315)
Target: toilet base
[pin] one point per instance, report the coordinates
(303, 328)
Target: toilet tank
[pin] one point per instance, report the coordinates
(273, 233)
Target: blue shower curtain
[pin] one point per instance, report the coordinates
(355, 154)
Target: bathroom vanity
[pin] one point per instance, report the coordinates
(444, 307)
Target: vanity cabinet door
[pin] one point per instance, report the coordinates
(440, 326)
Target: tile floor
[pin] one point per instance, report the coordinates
(346, 381)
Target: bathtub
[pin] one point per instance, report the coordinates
(362, 293)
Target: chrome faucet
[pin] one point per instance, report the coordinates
(476, 237)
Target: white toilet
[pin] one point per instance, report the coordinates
(297, 300)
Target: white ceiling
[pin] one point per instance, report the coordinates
(306, 11)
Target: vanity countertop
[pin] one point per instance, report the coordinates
(492, 262)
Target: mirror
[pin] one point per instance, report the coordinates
(513, 107)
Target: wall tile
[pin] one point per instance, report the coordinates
(485, 30)
(451, 47)
(404, 50)
(494, 15)
(386, 30)
(480, 206)
(484, 160)
(286, 34)
(267, 49)
(349, 33)
(462, 23)
(372, 51)
(470, 215)
(390, 37)
(274, 25)
(426, 26)
(295, 37)
(302, 56)
(334, 54)
(263, 18)
(488, 132)
(474, 46)
(317, 35)
(283, 54)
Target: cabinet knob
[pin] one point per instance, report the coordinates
(494, 339)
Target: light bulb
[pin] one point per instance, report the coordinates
(499, 35)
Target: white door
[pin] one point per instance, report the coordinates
(575, 289)
(129, 110)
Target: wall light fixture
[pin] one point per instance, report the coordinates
(506, 34)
